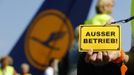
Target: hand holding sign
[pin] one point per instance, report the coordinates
(102, 44)
(104, 57)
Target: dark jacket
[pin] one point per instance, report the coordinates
(107, 69)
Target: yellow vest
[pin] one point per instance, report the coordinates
(26, 74)
(99, 19)
(8, 71)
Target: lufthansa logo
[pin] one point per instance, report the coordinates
(49, 36)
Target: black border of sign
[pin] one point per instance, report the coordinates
(85, 50)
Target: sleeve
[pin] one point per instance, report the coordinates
(130, 63)
(93, 21)
(88, 22)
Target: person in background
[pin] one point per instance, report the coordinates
(25, 69)
(73, 55)
(5, 68)
(101, 63)
(103, 10)
(52, 68)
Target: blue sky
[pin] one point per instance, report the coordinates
(16, 14)
(14, 17)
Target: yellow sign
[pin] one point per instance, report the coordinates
(99, 38)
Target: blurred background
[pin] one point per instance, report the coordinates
(17, 16)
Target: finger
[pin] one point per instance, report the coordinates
(126, 58)
(105, 53)
(118, 54)
(93, 57)
(99, 56)
(115, 54)
(105, 56)
(86, 58)
(110, 56)
(90, 52)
